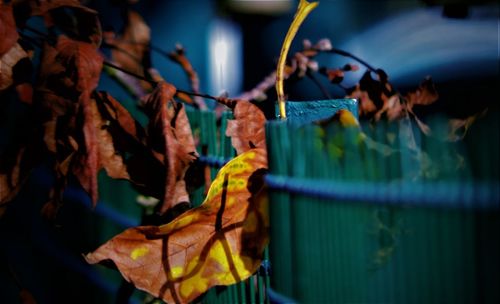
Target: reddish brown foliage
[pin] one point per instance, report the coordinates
(219, 243)
(7, 63)
(247, 130)
(83, 60)
(14, 169)
(179, 56)
(8, 30)
(131, 51)
(169, 135)
(425, 94)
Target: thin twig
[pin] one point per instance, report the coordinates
(318, 83)
(347, 54)
(154, 82)
(141, 77)
(114, 66)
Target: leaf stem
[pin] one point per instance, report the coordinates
(303, 10)
(316, 81)
(347, 54)
(114, 66)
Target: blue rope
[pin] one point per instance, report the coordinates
(277, 298)
(477, 195)
(81, 197)
(213, 161)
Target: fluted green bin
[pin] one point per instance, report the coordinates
(353, 225)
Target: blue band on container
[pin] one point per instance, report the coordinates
(213, 161)
(448, 194)
(81, 197)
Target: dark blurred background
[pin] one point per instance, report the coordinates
(234, 44)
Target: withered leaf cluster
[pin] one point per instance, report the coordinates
(81, 131)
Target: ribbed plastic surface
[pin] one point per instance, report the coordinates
(431, 243)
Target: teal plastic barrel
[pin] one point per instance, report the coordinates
(354, 224)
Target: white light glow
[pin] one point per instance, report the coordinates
(225, 63)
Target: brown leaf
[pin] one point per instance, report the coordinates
(11, 177)
(25, 297)
(374, 95)
(391, 107)
(219, 243)
(458, 128)
(7, 63)
(8, 30)
(425, 94)
(84, 63)
(333, 75)
(247, 129)
(169, 134)
(83, 59)
(366, 106)
(131, 49)
(179, 56)
(69, 73)
(16, 163)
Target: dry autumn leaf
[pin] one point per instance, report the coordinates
(425, 94)
(220, 242)
(374, 95)
(14, 169)
(8, 30)
(458, 128)
(123, 152)
(179, 56)
(7, 63)
(170, 136)
(83, 64)
(247, 129)
(131, 51)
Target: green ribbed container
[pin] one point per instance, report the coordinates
(333, 251)
(214, 143)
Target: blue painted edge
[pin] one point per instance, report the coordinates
(304, 112)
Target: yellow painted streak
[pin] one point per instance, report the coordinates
(302, 11)
(139, 252)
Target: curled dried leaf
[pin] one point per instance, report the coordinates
(179, 56)
(169, 134)
(247, 129)
(131, 51)
(219, 243)
(458, 128)
(425, 94)
(8, 30)
(8, 61)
